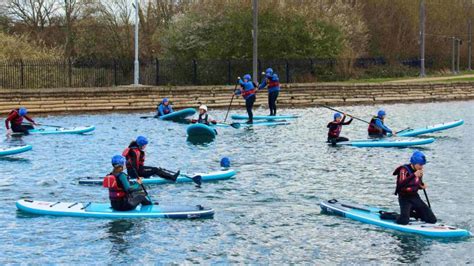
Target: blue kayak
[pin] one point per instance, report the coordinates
(371, 215)
(179, 115)
(63, 130)
(429, 129)
(183, 178)
(15, 150)
(103, 210)
(201, 130)
(384, 142)
(264, 117)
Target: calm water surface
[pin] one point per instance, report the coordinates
(268, 214)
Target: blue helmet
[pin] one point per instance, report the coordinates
(418, 158)
(381, 113)
(141, 141)
(337, 115)
(118, 160)
(247, 77)
(22, 111)
(225, 162)
(165, 100)
(269, 71)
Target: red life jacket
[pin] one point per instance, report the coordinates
(334, 130)
(373, 128)
(17, 119)
(137, 154)
(272, 84)
(413, 182)
(116, 191)
(248, 93)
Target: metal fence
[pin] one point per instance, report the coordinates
(93, 73)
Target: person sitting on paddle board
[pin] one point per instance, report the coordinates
(335, 128)
(409, 181)
(135, 155)
(273, 82)
(164, 108)
(377, 128)
(15, 118)
(203, 117)
(248, 90)
(123, 195)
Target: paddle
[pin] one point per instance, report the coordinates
(330, 108)
(149, 116)
(230, 104)
(427, 200)
(43, 125)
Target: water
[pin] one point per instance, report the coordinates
(268, 214)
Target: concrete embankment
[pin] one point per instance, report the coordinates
(73, 100)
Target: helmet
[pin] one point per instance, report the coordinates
(247, 77)
(22, 111)
(381, 113)
(141, 141)
(165, 100)
(418, 158)
(337, 115)
(203, 107)
(225, 162)
(118, 160)
(269, 71)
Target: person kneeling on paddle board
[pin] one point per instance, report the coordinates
(335, 128)
(203, 117)
(123, 195)
(273, 82)
(409, 181)
(248, 90)
(15, 118)
(377, 128)
(164, 108)
(135, 155)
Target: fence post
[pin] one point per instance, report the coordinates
(194, 72)
(157, 63)
(22, 73)
(287, 68)
(115, 72)
(69, 61)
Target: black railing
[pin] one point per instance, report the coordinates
(94, 73)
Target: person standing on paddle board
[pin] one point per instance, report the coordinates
(377, 128)
(248, 90)
(273, 82)
(335, 128)
(15, 119)
(203, 117)
(409, 181)
(135, 155)
(164, 108)
(123, 195)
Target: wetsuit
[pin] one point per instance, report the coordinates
(411, 205)
(162, 109)
(125, 196)
(135, 165)
(335, 129)
(248, 93)
(16, 120)
(273, 83)
(377, 128)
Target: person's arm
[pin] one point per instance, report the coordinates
(348, 122)
(9, 118)
(171, 108)
(379, 124)
(29, 119)
(263, 84)
(161, 110)
(211, 120)
(126, 185)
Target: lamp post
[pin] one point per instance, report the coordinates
(136, 72)
(255, 43)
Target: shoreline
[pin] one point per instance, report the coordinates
(145, 98)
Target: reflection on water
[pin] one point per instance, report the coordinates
(117, 233)
(410, 247)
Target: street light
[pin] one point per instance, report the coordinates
(136, 74)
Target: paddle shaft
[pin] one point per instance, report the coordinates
(427, 199)
(230, 104)
(356, 118)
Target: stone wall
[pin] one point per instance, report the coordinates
(292, 95)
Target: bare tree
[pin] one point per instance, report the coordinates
(35, 14)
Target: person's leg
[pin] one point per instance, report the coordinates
(339, 139)
(405, 209)
(423, 211)
(271, 103)
(275, 97)
(20, 129)
(249, 105)
(148, 171)
(137, 199)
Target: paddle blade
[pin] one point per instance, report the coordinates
(198, 180)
